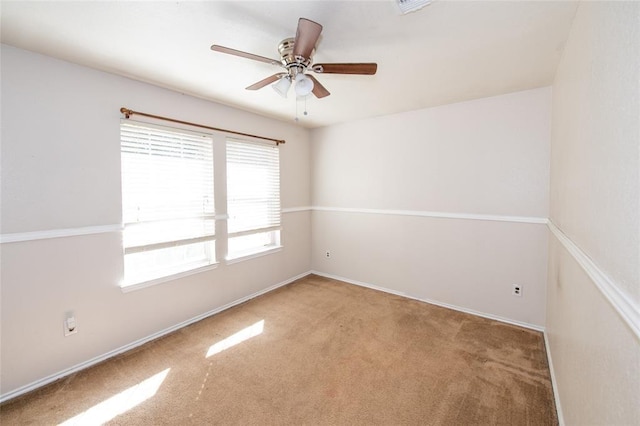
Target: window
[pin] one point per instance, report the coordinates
(167, 201)
(168, 193)
(253, 198)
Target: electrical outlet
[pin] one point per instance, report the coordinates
(517, 290)
(69, 324)
(327, 254)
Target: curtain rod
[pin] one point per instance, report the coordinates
(128, 113)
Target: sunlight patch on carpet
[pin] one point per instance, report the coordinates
(120, 403)
(242, 335)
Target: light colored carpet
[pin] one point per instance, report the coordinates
(317, 351)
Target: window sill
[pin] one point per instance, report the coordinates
(253, 255)
(126, 288)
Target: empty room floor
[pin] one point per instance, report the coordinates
(317, 351)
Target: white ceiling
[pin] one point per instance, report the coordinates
(447, 52)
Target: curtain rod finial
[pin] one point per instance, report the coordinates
(126, 112)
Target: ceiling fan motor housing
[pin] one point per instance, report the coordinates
(294, 64)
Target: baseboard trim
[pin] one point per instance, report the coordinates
(623, 305)
(554, 382)
(83, 365)
(433, 302)
(441, 215)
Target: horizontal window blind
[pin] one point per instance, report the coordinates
(167, 187)
(253, 187)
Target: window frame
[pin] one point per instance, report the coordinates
(222, 238)
(164, 144)
(271, 228)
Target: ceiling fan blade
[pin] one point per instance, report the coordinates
(318, 89)
(242, 54)
(268, 80)
(357, 68)
(307, 36)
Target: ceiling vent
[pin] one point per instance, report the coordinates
(407, 6)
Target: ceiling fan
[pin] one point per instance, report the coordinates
(296, 58)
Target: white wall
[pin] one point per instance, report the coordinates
(595, 189)
(61, 170)
(377, 183)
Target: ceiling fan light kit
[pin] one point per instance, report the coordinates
(282, 86)
(304, 85)
(296, 54)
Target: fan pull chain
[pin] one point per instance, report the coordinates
(296, 119)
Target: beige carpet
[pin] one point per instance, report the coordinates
(317, 351)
